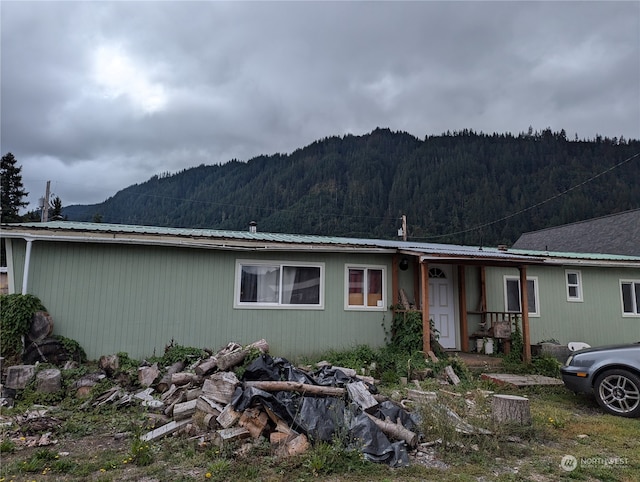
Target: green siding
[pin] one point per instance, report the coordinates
(596, 320)
(137, 299)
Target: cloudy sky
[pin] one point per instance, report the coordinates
(97, 96)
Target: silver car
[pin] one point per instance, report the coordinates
(610, 373)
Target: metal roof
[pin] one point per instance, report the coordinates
(212, 238)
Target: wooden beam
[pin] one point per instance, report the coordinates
(524, 307)
(426, 326)
(462, 294)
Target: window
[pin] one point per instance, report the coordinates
(268, 284)
(365, 286)
(630, 297)
(512, 295)
(574, 285)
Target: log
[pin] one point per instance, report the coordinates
(147, 375)
(359, 394)
(163, 431)
(110, 364)
(208, 365)
(272, 386)
(220, 386)
(184, 378)
(41, 326)
(350, 372)
(235, 358)
(208, 406)
(228, 417)
(396, 431)
(452, 375)
(49, 380)
(254, 421)
(432, 356)
(295, 446)
(165, 382)
(421, 396)
(281, 425)
(511, 409)
(184, 410)
(226, 435)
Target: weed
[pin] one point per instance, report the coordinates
(7, 446)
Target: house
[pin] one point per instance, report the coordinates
(614, 234)
(135, 289)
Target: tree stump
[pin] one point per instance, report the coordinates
(511, 409)
(49, 380)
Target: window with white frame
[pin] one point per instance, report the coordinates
(574, 285)
(365, 287)
(630, 290)
(512, 295)
(275, 284)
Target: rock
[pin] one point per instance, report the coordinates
(49, 380)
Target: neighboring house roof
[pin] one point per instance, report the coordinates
(262, 241)
(613, 234)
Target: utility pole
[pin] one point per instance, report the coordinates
(45, 206)
(403, 230)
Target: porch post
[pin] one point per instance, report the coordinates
(462, 294)
(394, 279)
(524, 307)
(426, 326)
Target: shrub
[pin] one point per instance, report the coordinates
(16, 312)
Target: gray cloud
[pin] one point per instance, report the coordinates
(185, 83)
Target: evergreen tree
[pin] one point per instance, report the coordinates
(12, 191)
(55, 209)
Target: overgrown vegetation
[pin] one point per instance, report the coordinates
(16, 312)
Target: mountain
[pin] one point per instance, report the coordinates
(462, 187)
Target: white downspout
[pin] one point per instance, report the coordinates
(27, 262)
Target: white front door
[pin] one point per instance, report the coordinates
(441, 304)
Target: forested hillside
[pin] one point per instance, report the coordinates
(463, 187)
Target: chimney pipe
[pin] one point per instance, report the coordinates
(253, 227)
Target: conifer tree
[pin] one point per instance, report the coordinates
(12, 191)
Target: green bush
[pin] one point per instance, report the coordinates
(16, 312)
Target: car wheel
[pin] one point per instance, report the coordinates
(618, 392)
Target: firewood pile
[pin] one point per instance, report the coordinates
(291, 407)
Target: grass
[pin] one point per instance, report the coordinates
(605, 447)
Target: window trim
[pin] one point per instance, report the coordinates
(579, 298)
(365, 267)
(536, 293)
(237, 304)
(635, 301)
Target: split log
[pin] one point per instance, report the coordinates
(220, 386)
(359, 394)
(147, 375)
(272, 386)
(49, 380)
(208, 406)
(281, 425)
(193, 393)
(421, 396)
(228, 417)
(451, 375)
(396, 431)
(110, 364)
(278, 438)
(19, 376)
(165, 382)
(163, 431)
(254, 421)
(41, 326)
(235, 358)
(511, 409)
(184, 410)
(296, 446)
(184, 378)
(226, 435)
(432, 356)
